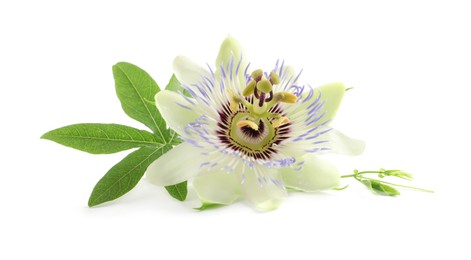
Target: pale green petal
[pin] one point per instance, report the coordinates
(177, 165)
(340, 143)
(216, 186)
(264, 197)
(231, 49)
(188, 72)
(331, 141)
(316, 175)
(288, 73)
(331, 96)
(287, 77)
(176, 116)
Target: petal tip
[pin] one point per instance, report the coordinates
(179, 61)
(230, 48)
(316, 175)
(360, 147)
(230, 41)
(269, 205)
(337, 87)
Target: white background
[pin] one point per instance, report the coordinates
(410, 64)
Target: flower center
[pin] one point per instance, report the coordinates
(254, 123)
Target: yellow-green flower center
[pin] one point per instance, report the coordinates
(254, 123)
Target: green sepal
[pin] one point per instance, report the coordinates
(380, 188)
(209, 205)
(178, 191)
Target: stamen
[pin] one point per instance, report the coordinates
(257, 75)
(234, 102)
(248, 123)
(249, 90)
(264, 86)
(280, 121)
(255, 92)
(268, 99)
(285, 97)
(274, 78)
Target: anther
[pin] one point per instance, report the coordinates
(274, 78)
(234, 103)
(280, 121)
(285, 97)
(257, 75)
(264, 86)
(248, 123)
(249, 90)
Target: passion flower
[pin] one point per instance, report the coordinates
(249, 133)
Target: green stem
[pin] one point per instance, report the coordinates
(375, 172)
(357, 174)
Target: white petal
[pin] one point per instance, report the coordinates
(217, 186)
(175, 115)
(340, 143)
(232, 54)
(316, 175)
(264, 197)
(288, 73)
(177, 165)
(331, 96)
(287, 78)
(188, 72)
(331, 141)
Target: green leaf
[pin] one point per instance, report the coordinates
(178, 191)
(176, 86)
(102, 138)
(380, 188)
(122, 177)
(208, 205)
(136, 90)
